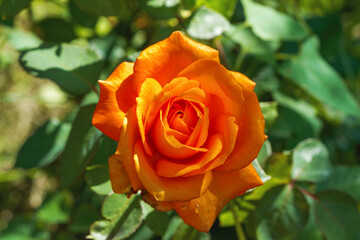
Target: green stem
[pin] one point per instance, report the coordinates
(238, 228)
(239, 60)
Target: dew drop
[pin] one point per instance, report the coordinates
(197, 208)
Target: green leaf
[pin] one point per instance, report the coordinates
(312, 73)
(343, 178)
(281, 214)
(56, 30)
(207, 24)
(310, 161)
(100, 7)
(81, 146)
(265, 153)
(22, 40)
(225, 7)
(75, 69)
(311, 231)
(270, 112)
(84, 216)
(305, 110)
(24, 227)
(160, 9)
(97, 178)
(106, 149)
(56, 208)
(270, 24)
(279, 165)
(157, 221)
(124, 217)
(250, 43)
(337, 215)
(296, 122)
(262, 174)
(44, 146)
(79, 16)
(9, 8)
(187, 232)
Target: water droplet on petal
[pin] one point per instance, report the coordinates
(197, 208)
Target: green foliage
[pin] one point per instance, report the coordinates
(303, 56)
(75, 69)
(207, 24)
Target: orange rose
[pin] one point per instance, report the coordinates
(188, 129)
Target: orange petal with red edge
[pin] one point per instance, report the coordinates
(168, 189)
(120, 181)
(165, 59)
(250, 136)
(202, 212)
(109, 116)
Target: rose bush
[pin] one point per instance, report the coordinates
(187, 129)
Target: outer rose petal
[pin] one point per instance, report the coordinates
(110, 112)
(120, 181)
(219, 83)
(168, 189)
(250, 136)
(202, 212)
(125, 149)
(164, 60)
(245, 82)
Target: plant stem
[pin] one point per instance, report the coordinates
(239, 231)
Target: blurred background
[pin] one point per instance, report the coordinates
(303, 55)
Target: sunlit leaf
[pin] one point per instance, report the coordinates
(97, 177)
(310, 161)
(270, 24)
(207, 24)
(312, 73)
(75, 69)
(124, 217)
(251, 43)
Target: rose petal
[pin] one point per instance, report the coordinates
(202, 212)
(245, 82)
(168, 189)
(250, 136)
(120, 181)
(168, 145)
(170, 168)
(217, 81)
(164, 60)
(226, 125)
(125, 149)
(109, 114)
(220, 145)
(149, 91)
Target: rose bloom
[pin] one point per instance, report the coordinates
(187, 129)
